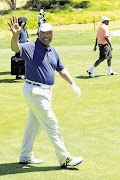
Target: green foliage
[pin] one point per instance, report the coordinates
(37, 4)
(92, 5)
(63, 2)
(56, 4)
(83, 4)
(61, 5)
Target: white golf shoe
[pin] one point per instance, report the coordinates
(72, 161)
(90, 73)
(32, 161)
(112, 73)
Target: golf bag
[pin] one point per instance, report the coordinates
(17, 66)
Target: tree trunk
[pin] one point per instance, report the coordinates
(50, 3)
(13, 4)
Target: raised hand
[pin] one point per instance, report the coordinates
(16, 29)
(14, 26)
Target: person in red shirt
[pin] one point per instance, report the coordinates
(103, 39)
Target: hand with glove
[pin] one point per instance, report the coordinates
(65, 75)
(76, 89)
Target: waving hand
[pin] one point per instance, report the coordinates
(14, 26)
(16, 29)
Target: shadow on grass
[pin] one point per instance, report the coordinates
(82, 77)
(15, 168)
(100, 75)
(10, 80)
(88, 77)
(5, 73)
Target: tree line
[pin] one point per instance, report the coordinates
(48, 4)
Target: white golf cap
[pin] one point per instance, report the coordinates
(105, 18)
(45, 27)
(41, 11)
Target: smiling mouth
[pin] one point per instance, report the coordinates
(46, 39)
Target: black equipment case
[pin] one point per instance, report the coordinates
(17, 66)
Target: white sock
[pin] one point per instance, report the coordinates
(92, 68)
(109, 69)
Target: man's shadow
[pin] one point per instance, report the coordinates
(5, 73)
(82, 77)
(15, 168)
(11, 81)
(88, 77)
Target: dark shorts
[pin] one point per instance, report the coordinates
(105, 51)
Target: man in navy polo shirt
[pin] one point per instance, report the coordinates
(41, 62)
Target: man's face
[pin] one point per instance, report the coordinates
(45, 37)
(107, 22)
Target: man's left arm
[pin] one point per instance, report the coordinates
(66, 76)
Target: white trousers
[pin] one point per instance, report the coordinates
(41, 116)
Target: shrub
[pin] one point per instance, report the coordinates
(83, 4)
(56, 4)
(37, 4)
(62, 3)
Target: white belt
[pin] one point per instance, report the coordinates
(39, 84)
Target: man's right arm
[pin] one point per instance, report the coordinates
(15, 44)
(95, 47)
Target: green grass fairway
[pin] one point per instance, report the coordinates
(90, 125)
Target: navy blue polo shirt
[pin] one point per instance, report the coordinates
(40, 62)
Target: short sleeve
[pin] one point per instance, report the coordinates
(26, 50)
(60, 65)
